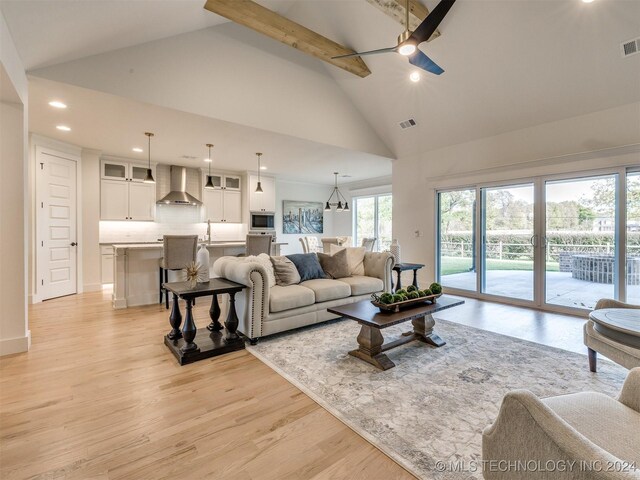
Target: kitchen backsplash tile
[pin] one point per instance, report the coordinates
(134, 232)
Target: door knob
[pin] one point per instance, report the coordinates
(73, 244)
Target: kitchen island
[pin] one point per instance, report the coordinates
(135, 269)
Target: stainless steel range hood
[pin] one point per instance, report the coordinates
(178, 185)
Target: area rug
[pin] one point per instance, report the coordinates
(428, 412)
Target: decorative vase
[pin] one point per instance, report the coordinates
(395, 250)
(202, 259)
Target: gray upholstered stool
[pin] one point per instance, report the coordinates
(257, 244)
(178, 252)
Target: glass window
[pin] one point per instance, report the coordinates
(373, 219)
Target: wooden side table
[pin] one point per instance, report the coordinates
(193, 344)
(401, 267)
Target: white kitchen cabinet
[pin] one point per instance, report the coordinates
(142, 201)
(232, 206)
(123, 171)
(232, 182)
(106, 257)
(114, 200)
(223, 206)
(127, 200)
(265, 201)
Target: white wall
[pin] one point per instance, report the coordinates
(14, 333)
(90, 168)
(587, 142)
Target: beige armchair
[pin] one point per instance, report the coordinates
(625, 355)
(585, 434)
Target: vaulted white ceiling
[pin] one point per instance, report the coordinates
(508, 65)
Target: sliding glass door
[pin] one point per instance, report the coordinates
(456, 249)
(508, 241)
(580, 241)
(561, 242)
(632, 266)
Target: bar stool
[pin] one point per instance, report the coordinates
(257, 244)
(178, 251)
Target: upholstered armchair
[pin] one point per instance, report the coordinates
(625, 355)
(583, 436)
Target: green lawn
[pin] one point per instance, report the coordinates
(452, 265)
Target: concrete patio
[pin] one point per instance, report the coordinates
(562, 289)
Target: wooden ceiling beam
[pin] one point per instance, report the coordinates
(274, 25)
(396, 9)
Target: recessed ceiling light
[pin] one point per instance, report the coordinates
(209, 160)
(64, 128)
(57, 104)
(414, 76)
(263, 168)
(137, 149)
(587, 1)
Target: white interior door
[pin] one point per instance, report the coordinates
(57, 236)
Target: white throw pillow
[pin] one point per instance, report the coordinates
(264, 260)
(355, 257)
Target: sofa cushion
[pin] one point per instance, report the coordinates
(308, 266)
(326, 289)
(285, 271)
(362, 285)
(604, 421)
(335, 265)
(292, 296)
(355, 258)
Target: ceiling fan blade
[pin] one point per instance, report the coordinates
(420, 60)
(370, 52)
(430, 24)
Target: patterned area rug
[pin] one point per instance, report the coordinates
(428, 412)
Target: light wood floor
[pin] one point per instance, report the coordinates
(100, 397)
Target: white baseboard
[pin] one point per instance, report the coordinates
(33, 299)
(10, 346)
(92, 287)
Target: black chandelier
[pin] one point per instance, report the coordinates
(337, 202)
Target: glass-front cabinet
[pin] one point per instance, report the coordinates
(113, 169)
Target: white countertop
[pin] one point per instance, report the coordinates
(227, 244)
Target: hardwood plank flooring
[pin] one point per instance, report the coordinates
(99, 396)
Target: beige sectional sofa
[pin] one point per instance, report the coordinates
(264, 308)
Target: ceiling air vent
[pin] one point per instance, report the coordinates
(408, 123)
(188, 157)
(630, 47)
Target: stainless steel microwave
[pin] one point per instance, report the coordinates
(262, 221)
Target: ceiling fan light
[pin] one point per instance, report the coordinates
(209, 185)
(407, 49)
(149, 177)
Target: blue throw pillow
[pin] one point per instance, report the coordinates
(308, 266)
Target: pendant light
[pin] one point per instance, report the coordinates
(209, 184)
(340, 207)
(149, 177)
(259, 187)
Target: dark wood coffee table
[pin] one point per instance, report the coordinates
(370, 340)
(193, 344)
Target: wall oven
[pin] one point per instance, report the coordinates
(262, 221)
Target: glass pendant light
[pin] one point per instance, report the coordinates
(259, 187)
(209, 185)
(149, 177)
